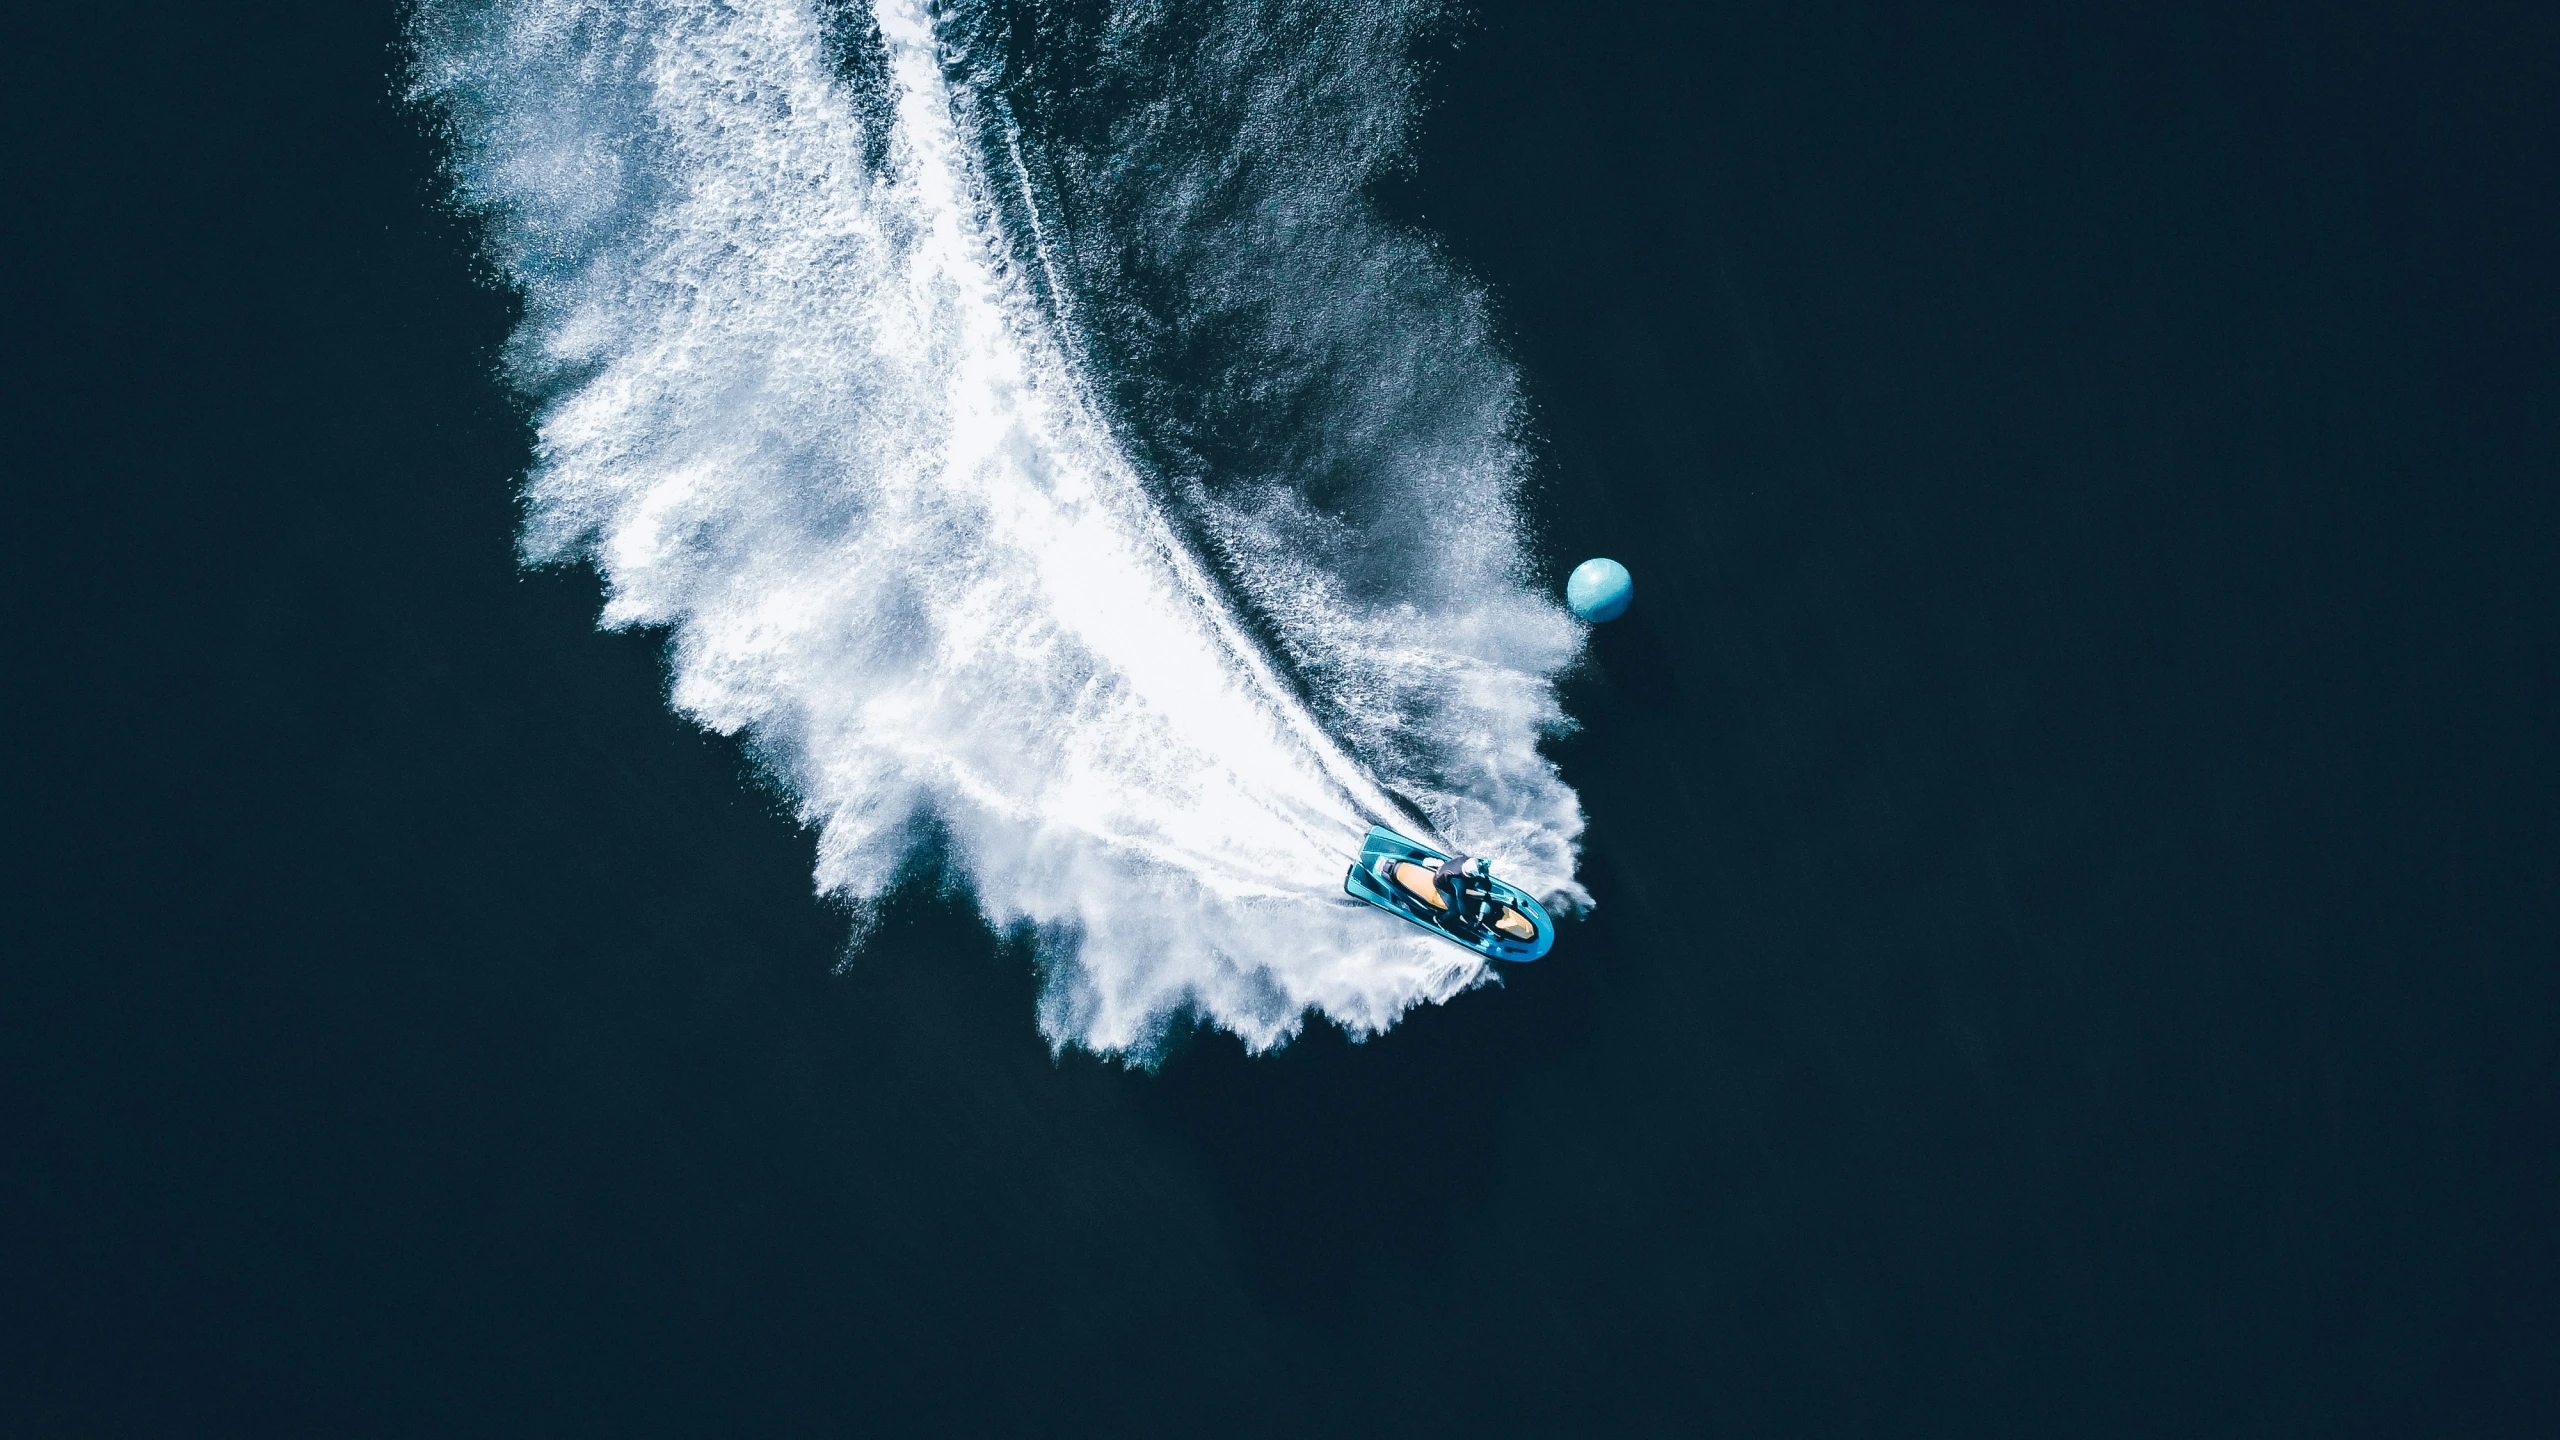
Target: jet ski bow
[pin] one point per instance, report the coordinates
(1400, 876)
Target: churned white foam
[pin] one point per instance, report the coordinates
(800, 409)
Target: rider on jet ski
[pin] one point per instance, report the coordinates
(1467, 885)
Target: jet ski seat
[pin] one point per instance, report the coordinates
(1419, 882)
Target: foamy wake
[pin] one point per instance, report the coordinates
(800, 410)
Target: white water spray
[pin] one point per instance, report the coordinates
(804, 415)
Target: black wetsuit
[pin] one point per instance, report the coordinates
(1470, 899)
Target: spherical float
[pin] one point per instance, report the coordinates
(1599, 590)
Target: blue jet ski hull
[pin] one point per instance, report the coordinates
(1374, 878)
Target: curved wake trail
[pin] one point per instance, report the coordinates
(801, 409)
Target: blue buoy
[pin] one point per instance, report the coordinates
(1599, 590)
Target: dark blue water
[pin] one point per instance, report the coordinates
(2071, 812)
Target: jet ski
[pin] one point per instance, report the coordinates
(1397, 875)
